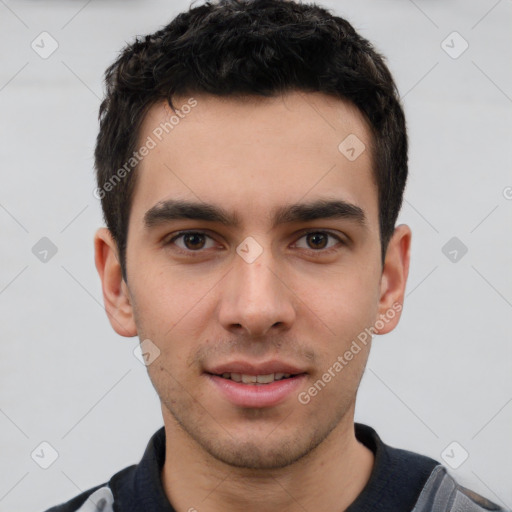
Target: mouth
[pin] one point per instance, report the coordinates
(256, 386)
(256, 380)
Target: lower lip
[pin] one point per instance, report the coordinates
(257, 395)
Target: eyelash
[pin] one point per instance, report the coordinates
(199, 252)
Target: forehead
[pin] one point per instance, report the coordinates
(252, 155)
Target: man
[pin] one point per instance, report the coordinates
(251, 161)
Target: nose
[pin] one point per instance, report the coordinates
(255, 298)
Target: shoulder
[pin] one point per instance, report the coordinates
(406, 480)
(126, 486)
(98, 498)
(443, 493)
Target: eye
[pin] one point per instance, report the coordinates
(192, 241)
(319, 241)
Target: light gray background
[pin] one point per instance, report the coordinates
(443, 375)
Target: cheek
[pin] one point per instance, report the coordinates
(168, 300)
(345, 303)
(172, 320)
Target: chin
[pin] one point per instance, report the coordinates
(254, 442)
(251, 455)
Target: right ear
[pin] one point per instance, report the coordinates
(116, 296)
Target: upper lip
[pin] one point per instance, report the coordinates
(247, 368)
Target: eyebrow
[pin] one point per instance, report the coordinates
(175, 209)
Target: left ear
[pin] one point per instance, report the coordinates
(394, 279)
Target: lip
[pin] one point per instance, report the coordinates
(255, 369)
(257, 395)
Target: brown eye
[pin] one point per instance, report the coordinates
(191, 241)
(317, 241)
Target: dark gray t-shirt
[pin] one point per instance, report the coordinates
(401, 481)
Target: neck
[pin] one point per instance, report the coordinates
(329, 478)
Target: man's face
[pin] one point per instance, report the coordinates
(256, 298)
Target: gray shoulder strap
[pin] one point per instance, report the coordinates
(442, 494)
(101, 500)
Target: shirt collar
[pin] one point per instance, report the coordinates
(397, 477)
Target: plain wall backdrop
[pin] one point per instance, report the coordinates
(67, 379)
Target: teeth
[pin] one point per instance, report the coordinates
(256, 379)
(265, 379)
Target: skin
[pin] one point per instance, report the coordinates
(294, 303)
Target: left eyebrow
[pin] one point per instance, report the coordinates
(174, 209)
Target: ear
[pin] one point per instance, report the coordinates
(393, 280)
(116, 295)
